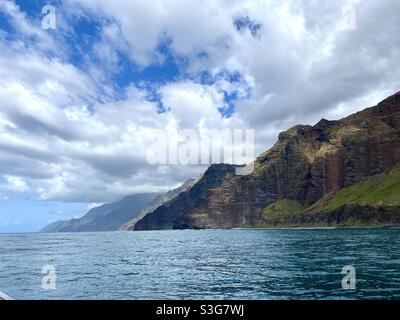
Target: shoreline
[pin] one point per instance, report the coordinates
(215, 229)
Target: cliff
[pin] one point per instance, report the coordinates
(158, 202)
(167, 216)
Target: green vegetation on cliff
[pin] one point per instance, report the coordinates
(282, 208)
(379, 190)
(373, 202)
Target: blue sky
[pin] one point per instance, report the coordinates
(79, 104)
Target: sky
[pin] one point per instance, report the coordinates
(80, 103)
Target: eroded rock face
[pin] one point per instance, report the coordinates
(165, 216)
(160, 200)
(306, 163)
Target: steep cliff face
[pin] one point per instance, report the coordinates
(162, 199)
(165, 216)
(306, 164)
(283, 172)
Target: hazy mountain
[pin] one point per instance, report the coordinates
(108, 217)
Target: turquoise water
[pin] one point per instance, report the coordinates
(204, 264)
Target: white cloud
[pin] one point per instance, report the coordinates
(91, 206)
(27, 28)
(304, 59)
(68, 152)
(16, 184)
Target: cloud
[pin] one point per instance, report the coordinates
(304, 58)
(311, 74)
(68, 151)
(16, 184)
(69, 131)
(27, 29)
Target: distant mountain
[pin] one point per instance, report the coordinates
(157, 202)
(108, 217)
(336, 173)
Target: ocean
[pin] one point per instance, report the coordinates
(202, 264)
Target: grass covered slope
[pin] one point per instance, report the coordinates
(379, 190)
(375, 201)
(282, 208)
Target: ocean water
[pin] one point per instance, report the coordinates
(203, 264)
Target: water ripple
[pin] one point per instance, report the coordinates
(204, 264)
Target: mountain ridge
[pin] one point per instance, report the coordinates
(107, 217)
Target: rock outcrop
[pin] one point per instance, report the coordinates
(167, 216)
(162, 199)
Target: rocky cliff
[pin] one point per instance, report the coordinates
(167, 215)
(158, 201)
(307, 165)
